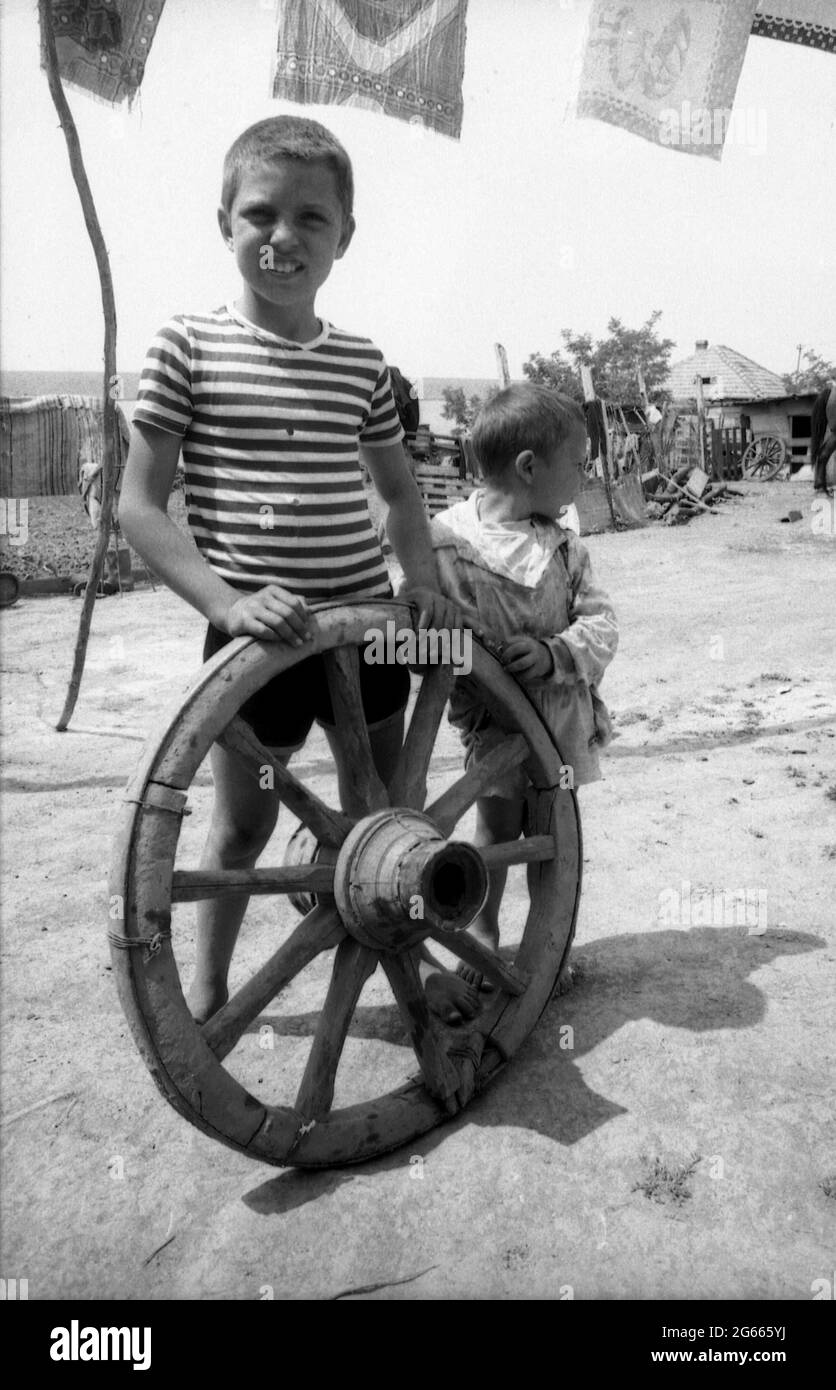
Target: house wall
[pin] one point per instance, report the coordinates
(773, 417)
(432, 415)
(778, 420)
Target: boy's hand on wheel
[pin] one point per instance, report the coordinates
(273, 614)
(433, 608)
(527, 658)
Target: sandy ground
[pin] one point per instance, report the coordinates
(682, 1147)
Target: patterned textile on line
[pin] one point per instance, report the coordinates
(811, 23)
(666, 72)
(103, 45)
(404, 58)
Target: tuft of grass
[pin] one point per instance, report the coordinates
(828, 1185)
(665, 1181)
(775, 676)
(569, 977)
(831, 793)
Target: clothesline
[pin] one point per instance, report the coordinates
(666, 72)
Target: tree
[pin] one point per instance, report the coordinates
(457, 406)
(614, 361)
(817, 374)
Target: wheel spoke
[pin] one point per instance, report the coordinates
(192, 885)
(353, 964)
(409, 784)
(331, 827)
(342, 670)
(318, 931)
(472, 952)
(533, 850)
(441, 1076)
(449, 808)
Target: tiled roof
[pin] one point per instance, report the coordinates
(731, 376)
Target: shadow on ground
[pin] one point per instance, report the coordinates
(696, 980)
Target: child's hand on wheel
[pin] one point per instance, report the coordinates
(273, 614)
(527, 658)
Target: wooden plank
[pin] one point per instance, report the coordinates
(449, 808)
(409, 783)
(317, 932)
(692, 501)
(331, 827)
(192, 885)
(441, 1076)
(535, 849)
(472, 952)
(342, 670)
(697, 482)
(353, 965)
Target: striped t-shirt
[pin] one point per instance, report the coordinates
(271, 432)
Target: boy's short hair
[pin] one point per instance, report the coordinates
(287, 137)
(523, 416)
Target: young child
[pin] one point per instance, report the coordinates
(271, 405)
(516, 573)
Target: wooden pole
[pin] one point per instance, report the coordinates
(503, 376)
(700, 420)
(111, 426)
(589, 395)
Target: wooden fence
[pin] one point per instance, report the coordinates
(45, 441)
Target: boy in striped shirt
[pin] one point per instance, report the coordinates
(271, 405)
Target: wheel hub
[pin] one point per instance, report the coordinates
(397, 878)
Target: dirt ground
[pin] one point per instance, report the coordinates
(682, 1147)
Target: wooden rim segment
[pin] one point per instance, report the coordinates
(185, 1059)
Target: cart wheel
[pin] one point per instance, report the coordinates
(358, 883)
(764, 458)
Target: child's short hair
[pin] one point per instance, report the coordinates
(287, 137)
(523, 416)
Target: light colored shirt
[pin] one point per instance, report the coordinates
(532, 578)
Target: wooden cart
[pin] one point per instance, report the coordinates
(357, 886)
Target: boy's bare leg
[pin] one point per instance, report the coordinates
(243, 819)
(386, 742)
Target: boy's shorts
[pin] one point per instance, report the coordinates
(282, 712)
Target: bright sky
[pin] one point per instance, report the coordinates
(533, 222)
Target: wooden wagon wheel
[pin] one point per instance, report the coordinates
(764, 458)
(366, 877)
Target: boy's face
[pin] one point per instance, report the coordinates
(287, 227)
(557, 477)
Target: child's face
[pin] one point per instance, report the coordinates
(557, 477)
(287, 227)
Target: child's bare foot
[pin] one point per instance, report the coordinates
(205, 999)
(451, 997)
(489, 938)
